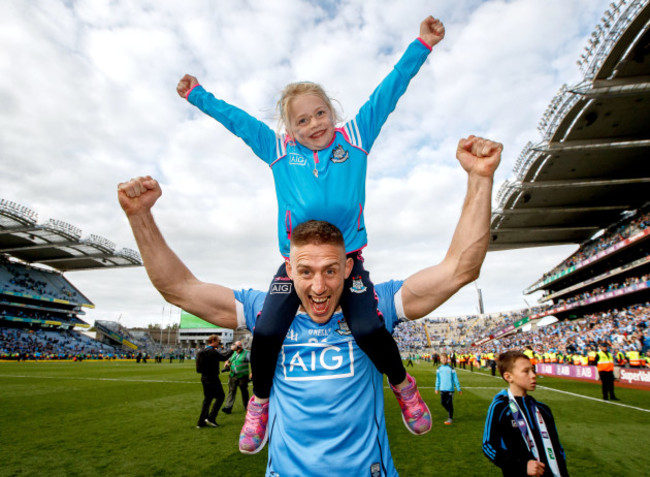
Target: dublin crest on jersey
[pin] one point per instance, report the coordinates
(339, 154)
(343, 329)
(357, 285)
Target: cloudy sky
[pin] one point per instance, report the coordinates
(87, 100)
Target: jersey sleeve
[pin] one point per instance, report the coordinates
(456, 381)
(365, 127)
(386, 302)
(257, 135)
(251, 305)
(496, 445)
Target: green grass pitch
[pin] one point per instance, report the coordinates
(127, 419)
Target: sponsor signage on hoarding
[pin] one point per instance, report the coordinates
(638, 377)
(568, 371)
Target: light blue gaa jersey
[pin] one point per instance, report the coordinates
(326, 415)
(329, 184)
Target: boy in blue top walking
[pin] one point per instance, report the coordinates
(446, 381)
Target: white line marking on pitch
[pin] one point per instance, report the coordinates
(573, 394)
(100, 379)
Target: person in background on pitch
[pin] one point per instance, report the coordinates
(320, 174)
(207, 364)
(605, 366)
(520, 434)
(446, 381)
(239, 377)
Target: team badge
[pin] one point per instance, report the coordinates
(339, 154)
(357, 285)
(343, 329)
(375, 470)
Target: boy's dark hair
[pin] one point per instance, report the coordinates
(317, 232)
(505, 361)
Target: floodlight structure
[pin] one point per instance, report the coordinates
(590, 165)
(607, 33)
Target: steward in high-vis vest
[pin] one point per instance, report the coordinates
(634, 358)
(239, 376)
(605, 365)
(591, 356)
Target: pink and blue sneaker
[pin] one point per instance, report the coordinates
(415, 412)
(253, 436)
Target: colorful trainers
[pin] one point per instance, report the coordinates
(448, 422)
(415, 413)
(253, 434)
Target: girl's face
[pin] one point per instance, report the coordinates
(311, 122)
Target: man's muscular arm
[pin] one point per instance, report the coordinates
(427, 289)
(168, 274)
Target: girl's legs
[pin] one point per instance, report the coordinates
(359, 305)
(271, 327)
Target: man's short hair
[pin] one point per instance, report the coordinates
(317, 232)
(213, 338)
(506, 361)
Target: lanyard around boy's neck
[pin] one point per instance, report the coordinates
(527, 433)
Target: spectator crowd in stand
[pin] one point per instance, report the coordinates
(615, 234)
(26, 344)
(626, 332)
(34, 281)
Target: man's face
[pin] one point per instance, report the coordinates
(318, 273)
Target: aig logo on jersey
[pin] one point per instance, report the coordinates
(280, 288)
(296, 159)
(317, 361)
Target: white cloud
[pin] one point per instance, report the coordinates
(87, 96)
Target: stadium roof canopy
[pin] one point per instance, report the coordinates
(593, 162)
(56, 244)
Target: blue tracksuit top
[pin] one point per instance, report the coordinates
(328, 184)
(447, 379)
(342, 434)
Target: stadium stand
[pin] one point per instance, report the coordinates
(40, 310)
(590, 166)
(585, 183)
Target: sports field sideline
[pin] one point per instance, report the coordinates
(126, 419)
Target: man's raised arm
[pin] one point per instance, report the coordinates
(427, 289)
(170, 276)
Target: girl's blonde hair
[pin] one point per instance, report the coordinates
(293, 90)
